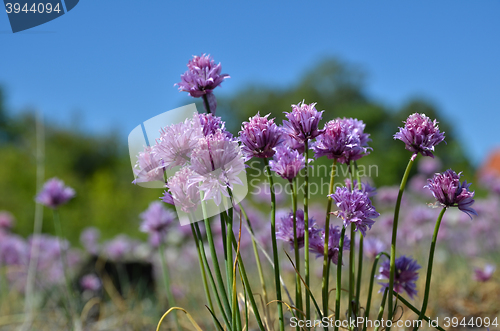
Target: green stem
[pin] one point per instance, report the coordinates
(381, 310)
(211, 277)
(326, 258)
(394, 237)
(64, 263)
(215, 260)
(338, 289)
(257, 259)
(275, 245)
(203, 275)
(298, 285)
(370, 288)
(205, 101)
(429, 268)
(351, 273)
(360, 256)
(415, 310)
(168, 288)
(306, 228)
(248, 288)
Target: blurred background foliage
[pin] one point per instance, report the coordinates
(98, 166)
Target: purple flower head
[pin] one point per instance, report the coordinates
(117, 248)
(484, 274)
(373, 246)
(355, 207)
(405, 277)
(186, 196)
(259, 136)
(167, 198)
(317, 242)
(54, 193)
(13, 251)
(90, 282)
(303, 122)
(448, 191)
(287, 162)
(365, 187)
(211, 123)
(6, 221)
(155, 221)
(216, 161)
(429, 166)
(343, 140)
(202, 76)
(177, 141)
(149, 167)
(90, 240)
(420, 134)
(284, 228)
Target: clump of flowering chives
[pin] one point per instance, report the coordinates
(354, 207)
(216, 161)
(343, 140)
(155, 221)
(405, 277)
(317, 243)
(420, 135)
(284, 229)
(177, 141)
(448, 191)
(484, 274)
(184, 196)
(202, 76)
(303, 122)
(259, 136)
(148, 167)
(54, 193)
(90, 240)
(287, 162)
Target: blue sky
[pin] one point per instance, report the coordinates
(115, 62)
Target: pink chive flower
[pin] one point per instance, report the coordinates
(89, 238)
(117, 248)
(202, 76)
(90, 282)
(211, 123)
(344, 140)
(177, 141)
(302, 124)
(156, 221)
(373, 246)
(14, 251)
(185, 196)
(420, 135)
(149, 167)
(405, 277)
(317, 242)
(484, 274)
(54, 193)
(354, 207)
(448, 191)
(6, 221)
(284, 228)
(216, 161)
(259, 136)
(287, 162)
